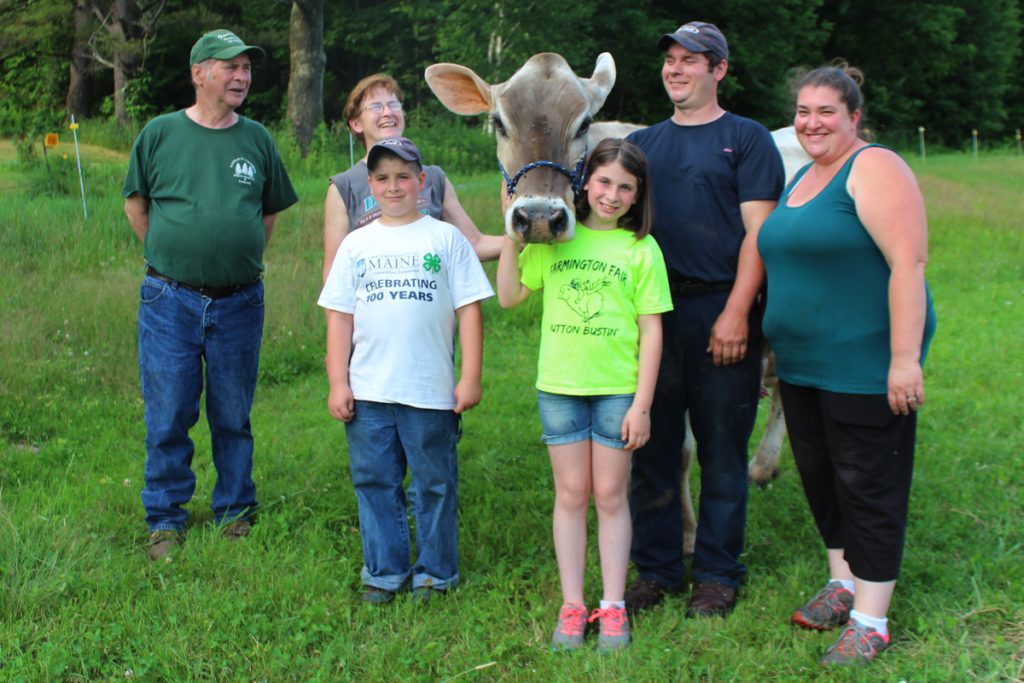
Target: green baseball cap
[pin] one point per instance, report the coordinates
(220, 44)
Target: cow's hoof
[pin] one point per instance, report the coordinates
(762, 476)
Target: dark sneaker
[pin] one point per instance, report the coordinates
(826, 610)
(424, 594)
(614, 634)
(644, 594)
(240, 528)
(377, 596)
(161, 543)
(856, 646)
(569, 632)
(711, 599)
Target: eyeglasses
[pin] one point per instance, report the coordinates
(378, 107)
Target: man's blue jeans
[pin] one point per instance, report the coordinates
(180, 331)
(722, 402)
(384, 439)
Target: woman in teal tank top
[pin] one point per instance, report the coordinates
(849, 317)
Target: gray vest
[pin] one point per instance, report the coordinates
(362, 209)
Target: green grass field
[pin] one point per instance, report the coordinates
(80, 600)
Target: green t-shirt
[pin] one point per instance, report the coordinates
(595, 286)
(208, 190)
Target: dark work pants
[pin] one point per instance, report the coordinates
(856, 461)
(723, 407)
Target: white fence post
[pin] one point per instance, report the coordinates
(78, 157)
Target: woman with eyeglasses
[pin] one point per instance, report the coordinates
(374, 113)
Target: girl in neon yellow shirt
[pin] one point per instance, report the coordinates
(604, 293)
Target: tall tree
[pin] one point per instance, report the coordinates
(128, 25)
(79, 99)
(306, 82)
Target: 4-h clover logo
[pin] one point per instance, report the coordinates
(431, 263)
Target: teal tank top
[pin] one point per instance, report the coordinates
(827, 316)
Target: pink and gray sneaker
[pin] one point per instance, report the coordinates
(569, 632)
(826, 610)
(614, 634)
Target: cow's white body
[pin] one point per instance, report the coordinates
(543, 113)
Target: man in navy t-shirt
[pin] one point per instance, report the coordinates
(715, 177)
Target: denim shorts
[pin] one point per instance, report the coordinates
(568, 419)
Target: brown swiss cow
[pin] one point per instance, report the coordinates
(543, 118)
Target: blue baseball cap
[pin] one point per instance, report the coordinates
(401, 146)
(697, 36)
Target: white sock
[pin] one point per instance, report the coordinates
(605, 604)
(847, 584)
(880, 624)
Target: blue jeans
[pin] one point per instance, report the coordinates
(179, 330)
(723, 407)
(383, 440)
(567, 419)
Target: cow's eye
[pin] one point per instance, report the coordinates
(584, 129)
(499, 127)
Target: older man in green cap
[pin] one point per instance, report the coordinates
(203, 189)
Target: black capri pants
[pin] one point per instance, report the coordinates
(856, 461)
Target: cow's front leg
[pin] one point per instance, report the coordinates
(764, 466)
(689, 517)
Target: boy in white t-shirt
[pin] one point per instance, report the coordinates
(393, 296)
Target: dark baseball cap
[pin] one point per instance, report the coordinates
(220, 44)
(697, 36)
(401, 147)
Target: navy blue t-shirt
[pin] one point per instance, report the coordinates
(699, 177)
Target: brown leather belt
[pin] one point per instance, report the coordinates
(209, 292)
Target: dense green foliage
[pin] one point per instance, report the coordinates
(948, 65)
(80, 601)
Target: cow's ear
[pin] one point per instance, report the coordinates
(600, 84)
(459, 88)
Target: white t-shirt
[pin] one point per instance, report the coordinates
(402, 284)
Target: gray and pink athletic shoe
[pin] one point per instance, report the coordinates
(569, 632)
(826, 610)
(614, 634)
(856, 646)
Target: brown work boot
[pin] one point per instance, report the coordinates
(711, 598)
(161, 543)
(644, 594)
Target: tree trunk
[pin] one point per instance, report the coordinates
(128, 32)
(79, 97)
(306, 80)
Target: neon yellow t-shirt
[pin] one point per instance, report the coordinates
(594, 286)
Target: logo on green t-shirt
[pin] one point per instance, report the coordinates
(244, 170)
(584, 297)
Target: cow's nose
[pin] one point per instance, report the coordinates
(521, 221)
(540, 224)
(559, 222)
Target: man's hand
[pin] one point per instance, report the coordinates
(728, 343)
